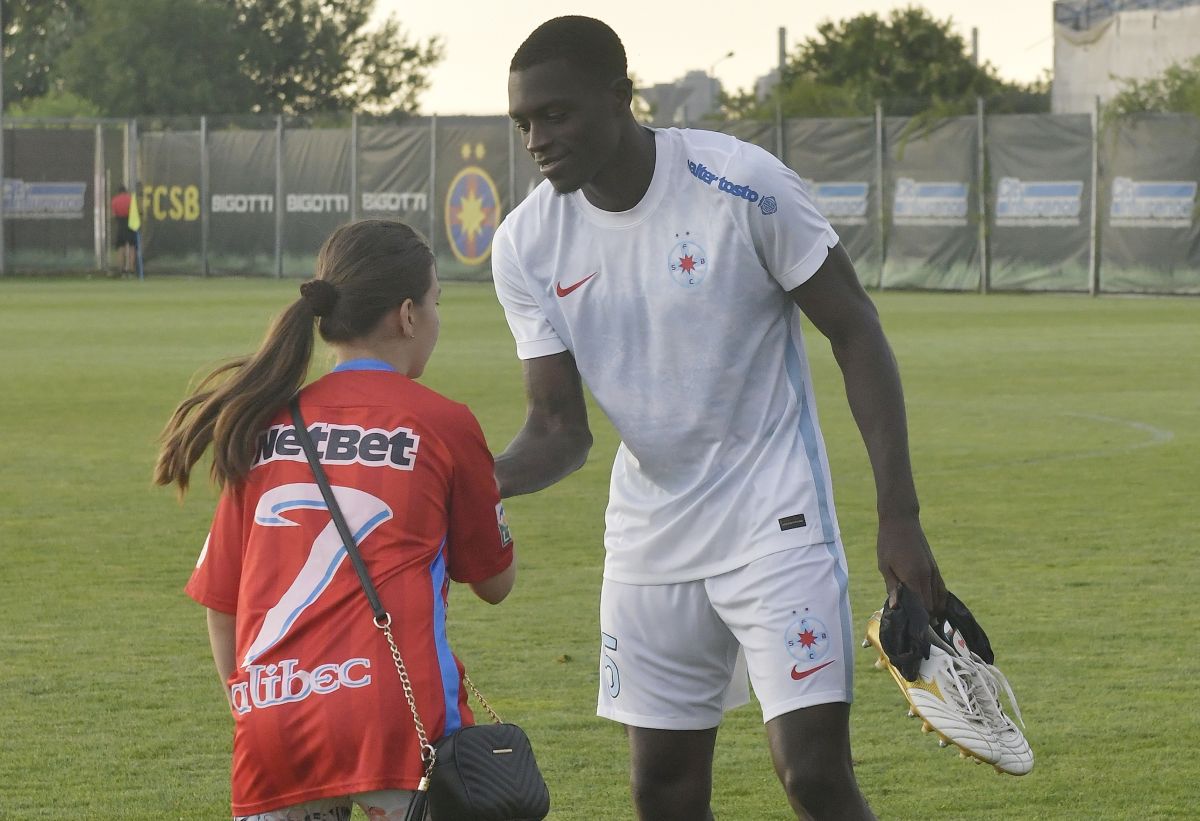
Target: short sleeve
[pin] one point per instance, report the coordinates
(791, 236)
(218, 574)
(479, 543)
(534, 334)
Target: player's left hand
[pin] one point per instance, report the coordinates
(904, 557)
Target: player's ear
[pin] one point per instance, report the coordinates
(622, 90)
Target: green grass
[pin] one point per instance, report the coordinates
(1055, 443)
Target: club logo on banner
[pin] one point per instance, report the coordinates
(1152, 204)
(43, 200)
(472, 210)
(1038, 204)
(929, 203)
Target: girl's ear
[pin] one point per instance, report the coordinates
(403, 319)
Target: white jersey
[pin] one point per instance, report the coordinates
(678, 315)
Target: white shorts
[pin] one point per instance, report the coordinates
(383, 805)
(676, 656)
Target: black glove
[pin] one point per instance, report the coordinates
(958, 618)
(904, 632)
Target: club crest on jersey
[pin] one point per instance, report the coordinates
(807, 639)
(502, 523)
(687, 262)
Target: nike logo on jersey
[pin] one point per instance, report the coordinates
(797, 675)
(561, 291)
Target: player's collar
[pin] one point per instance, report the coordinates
(364, 364)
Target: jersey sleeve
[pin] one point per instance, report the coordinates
(218, 574)
(791, 236)
(480, 544)
(534, 334)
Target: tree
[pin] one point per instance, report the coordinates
(319, 55)
(35, 33)
(911, 61)
(1175, 90)
(214, 56)
(158, 57)
(909, 57)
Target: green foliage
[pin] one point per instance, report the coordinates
(1054, 444)
(910, 60)
(35, 33)
(1175, 90)
(190, 57)
(319, 55)
(55, 104)
(165, 57)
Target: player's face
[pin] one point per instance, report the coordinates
(426, 326)
(569, 122)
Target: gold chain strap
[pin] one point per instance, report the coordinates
(428, 753)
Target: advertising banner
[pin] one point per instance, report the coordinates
(1149, 174)
(393, 174)
(836, 159)
(242, 182)
(49, 197)
(471, 191)
(933, 220)
(316, 195)
(1041, 192)
(169, 201)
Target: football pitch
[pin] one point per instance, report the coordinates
(1055, 442)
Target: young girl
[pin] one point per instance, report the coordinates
(321, 719)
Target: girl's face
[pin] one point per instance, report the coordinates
(426, 326)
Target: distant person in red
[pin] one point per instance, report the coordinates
(125, 238)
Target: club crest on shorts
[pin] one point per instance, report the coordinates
(807, 642)
(687, 262)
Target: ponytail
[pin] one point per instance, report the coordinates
(232, 404)
(363, 270)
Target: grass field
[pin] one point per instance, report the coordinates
(1055, 441)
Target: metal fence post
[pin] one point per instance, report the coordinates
(1093, 226)
(354, 166)
(432, 182)
(204, 197)
(981, 195)
(278, 196)
(879, 187)
(100, 206)
(132, 157)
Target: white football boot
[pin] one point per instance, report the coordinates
(957, 696)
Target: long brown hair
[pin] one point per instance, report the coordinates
(363, 270)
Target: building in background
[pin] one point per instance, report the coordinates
(1099, 43)
(693, 97)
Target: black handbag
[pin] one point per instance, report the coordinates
(485, 772)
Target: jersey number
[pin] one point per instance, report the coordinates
(363, 513)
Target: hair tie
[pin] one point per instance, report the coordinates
(320, 295)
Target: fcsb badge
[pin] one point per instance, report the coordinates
(472, 210)
(502, 523)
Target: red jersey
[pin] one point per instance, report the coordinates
(120, 204)
(319, 709)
